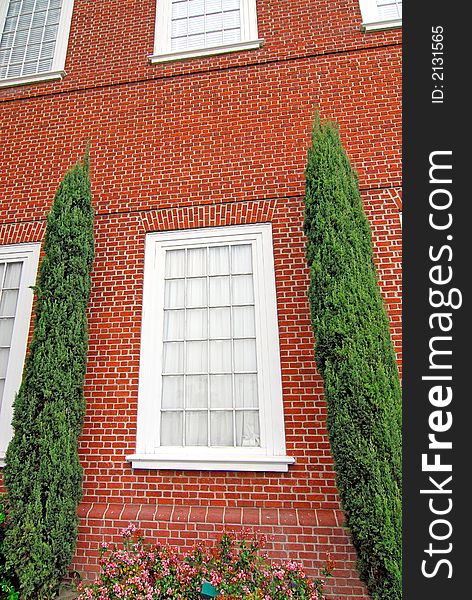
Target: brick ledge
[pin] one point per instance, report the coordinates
(216, 515)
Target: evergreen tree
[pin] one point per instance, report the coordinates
(356, 358)
(43, 475)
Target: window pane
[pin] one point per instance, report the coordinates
(197, 323)
(175, 263)
(196, 428)
(197, 361)
(213, 6)
(173, 357)
(174, 323)
(13, 275)
(231, 36)
(6, 331)
(242, 289)
(241, 259)
(221, 391)
(196, 262)
(231, 19)
(196, 25)
(247, 428)
(4, 352)
(196, 7)
(214, 22)
(196, 391)
(196, 41)
(219, 260)
(221, 428)
(245, 355)
(8, 303)
(173, 391)
(197, 291)
(245, 390)
(243, 321)
(174, 293)
(171, 428)
(220, 323)
(220, 357)
(214, 38)
(219, 291)
(230, 4)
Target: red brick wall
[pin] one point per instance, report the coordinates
(213, 141)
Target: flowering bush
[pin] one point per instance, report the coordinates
(234, 569)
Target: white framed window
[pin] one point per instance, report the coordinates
(190, 28)
(210, 394)
(381, 14)
(33, 40)
(18, 267)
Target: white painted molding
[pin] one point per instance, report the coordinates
(194, 53)
(380, 25)
(38, 77)
(220, 463)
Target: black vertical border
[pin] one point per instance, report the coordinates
(429, 127)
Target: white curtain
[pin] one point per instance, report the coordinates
(214, 366)
(10, 277)
(221, 428)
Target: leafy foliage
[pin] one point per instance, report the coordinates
(7, 586)
(356, 359)
(43, 475)
(235, 569)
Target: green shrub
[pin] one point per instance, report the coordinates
(7, 586)
(356, 359)
(43, 475)
(232, 570)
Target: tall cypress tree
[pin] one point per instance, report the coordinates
(43, 475)
(356, 358)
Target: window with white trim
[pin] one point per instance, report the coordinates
(210, 385)
(33, 40)
(18, 266)
(381, 14)
(189, 28)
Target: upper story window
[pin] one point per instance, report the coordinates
(33, 40)
(381, 14)
(18, 266)
(210, 384)
(188, 28)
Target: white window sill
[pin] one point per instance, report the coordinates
(216, 463)
(25, 79)
(2, 459)
(196, 52)
(379, 25)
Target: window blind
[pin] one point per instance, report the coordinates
(29, 36)
(204, 23)
(389, 9)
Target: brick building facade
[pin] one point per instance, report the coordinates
(186, 135)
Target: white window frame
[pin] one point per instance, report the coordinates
(163, 53)
(60, 50)
(271, 456)
(29, 255)
(371, 20)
